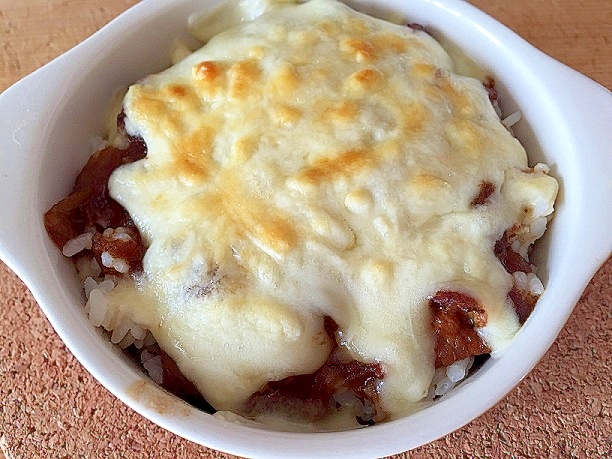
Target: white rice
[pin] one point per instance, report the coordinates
(89, 284)
(153, 364)
(119, 331)
(542, 168)
(106, 285)
(138, 332)
(537, 228)
(118, 264)
(97, 143)
(447, 378)
(77, 244)
(535, 286)
(532, 229)
(88, 267)
(458, 370)
(511, 119)
(97, 307)
(520, 280)
(124, 332)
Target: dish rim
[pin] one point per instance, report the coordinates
(99, 356)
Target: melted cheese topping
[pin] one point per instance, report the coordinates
(315, 161)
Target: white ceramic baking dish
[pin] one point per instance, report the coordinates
(49, 118)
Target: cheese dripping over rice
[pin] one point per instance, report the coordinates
(314, 161)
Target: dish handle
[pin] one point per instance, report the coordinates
(590, 129)
(24, 107)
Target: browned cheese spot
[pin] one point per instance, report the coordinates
(206, 71)
(342, 112)
(393, 43)
(365, 80)
(193, 154)
(359, 50)
(243, 77)
(345, 165)
(414, 119)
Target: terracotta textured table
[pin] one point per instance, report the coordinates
(51, 407)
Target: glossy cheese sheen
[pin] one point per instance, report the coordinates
(315, 161)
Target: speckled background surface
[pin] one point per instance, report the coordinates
(51, 407)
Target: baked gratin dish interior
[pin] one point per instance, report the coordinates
(312, 222)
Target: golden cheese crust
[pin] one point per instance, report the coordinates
(317, 162)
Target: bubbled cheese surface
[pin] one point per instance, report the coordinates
(315, 161)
